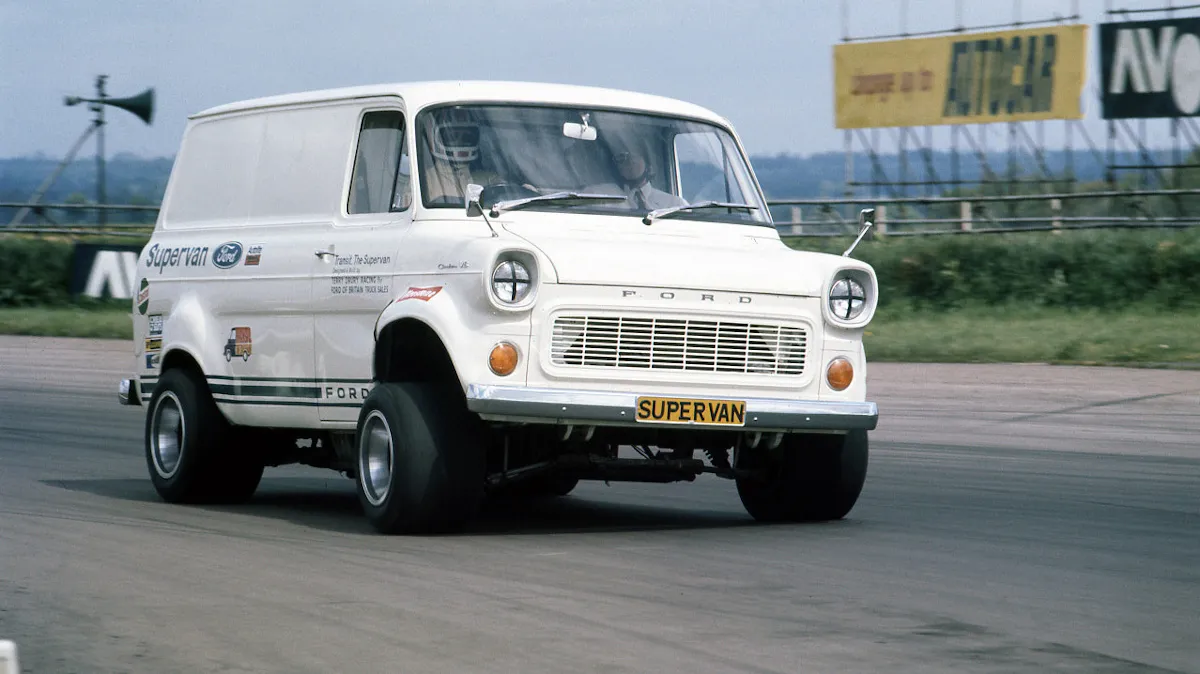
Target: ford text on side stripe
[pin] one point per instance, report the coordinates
(457, 291)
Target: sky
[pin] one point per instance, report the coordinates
(764, 64)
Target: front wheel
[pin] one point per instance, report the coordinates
(807, 478)
(421, 464)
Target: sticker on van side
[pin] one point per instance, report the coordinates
(143, 296)
(239, 344)
(161, 257)
(253, 255)
(227, 255)
(423, 294)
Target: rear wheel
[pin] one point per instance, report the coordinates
(421, 464)
(808, 478)
(192, 453)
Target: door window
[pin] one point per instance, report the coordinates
(381, 177)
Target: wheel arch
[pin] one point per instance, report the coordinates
(410, 350)
(182, 358)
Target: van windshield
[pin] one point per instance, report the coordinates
(517, 152)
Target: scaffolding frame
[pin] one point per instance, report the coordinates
(1020, 165)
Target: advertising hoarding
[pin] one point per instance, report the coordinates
(1150, 68)
(1001, 76)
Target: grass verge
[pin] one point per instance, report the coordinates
(1043, 335)
(973, 335)
(68, 321)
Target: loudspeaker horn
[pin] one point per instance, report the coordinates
(141, 105)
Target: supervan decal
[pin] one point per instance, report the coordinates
(161, 257)
(227, 255)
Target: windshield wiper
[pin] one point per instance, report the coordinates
(664, 212)
(515, 204)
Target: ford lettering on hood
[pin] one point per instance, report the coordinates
(645, 259)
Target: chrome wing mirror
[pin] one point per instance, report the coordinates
(474, 194)
(866, 218)
(474, 205)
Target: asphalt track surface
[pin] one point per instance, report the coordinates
(1015, 519)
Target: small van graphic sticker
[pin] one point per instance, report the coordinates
(238, 344)
(227, 255)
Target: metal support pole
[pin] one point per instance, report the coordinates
(98, 108)
(954, 174)
(848, 139)
(41, 190)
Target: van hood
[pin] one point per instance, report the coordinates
(674, 259)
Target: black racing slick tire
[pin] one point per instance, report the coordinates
(808, 478)
(421, 460)
(192, 453)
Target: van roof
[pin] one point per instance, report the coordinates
(418, 95)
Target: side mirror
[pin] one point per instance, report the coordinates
(866, 218)
(474, 193)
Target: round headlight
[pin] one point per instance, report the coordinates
(847, 299)
(510, 282)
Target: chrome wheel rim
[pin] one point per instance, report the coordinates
(375, 458)
(166, 435)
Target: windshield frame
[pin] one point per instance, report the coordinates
(731, 143)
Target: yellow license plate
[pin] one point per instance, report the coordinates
(691, 411)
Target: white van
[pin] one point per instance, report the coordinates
(456, 290)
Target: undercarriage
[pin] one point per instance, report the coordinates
(517, 453)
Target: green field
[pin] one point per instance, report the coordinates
(1043, 335)
(972, 335)
(70, 321)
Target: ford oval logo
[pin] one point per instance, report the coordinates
(227, 254)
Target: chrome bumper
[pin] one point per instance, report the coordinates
(605, 408)
(129, 392)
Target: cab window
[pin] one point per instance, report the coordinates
(704, 171)
(381, 176)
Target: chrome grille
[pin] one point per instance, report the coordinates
(702, 345)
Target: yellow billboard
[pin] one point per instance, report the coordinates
(1002, 76)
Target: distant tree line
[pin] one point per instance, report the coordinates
(136, 180)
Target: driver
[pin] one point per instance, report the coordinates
(454, 143)
(635, 182)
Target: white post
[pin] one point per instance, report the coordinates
(881, 219)
(8, 658)
(964, 215)
(1056, 213)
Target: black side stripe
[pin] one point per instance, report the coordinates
(283, 403)
(297, 380)
(239, 389)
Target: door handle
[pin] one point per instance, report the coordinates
(323, 253)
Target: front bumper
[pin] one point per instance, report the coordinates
(129, 392)
(607, 408)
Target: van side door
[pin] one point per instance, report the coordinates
(353, 271)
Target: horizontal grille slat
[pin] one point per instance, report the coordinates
(702, 345)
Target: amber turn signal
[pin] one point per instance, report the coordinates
(839, 374)
(503, 359)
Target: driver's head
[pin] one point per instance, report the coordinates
(455, 136)
(632, 166)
